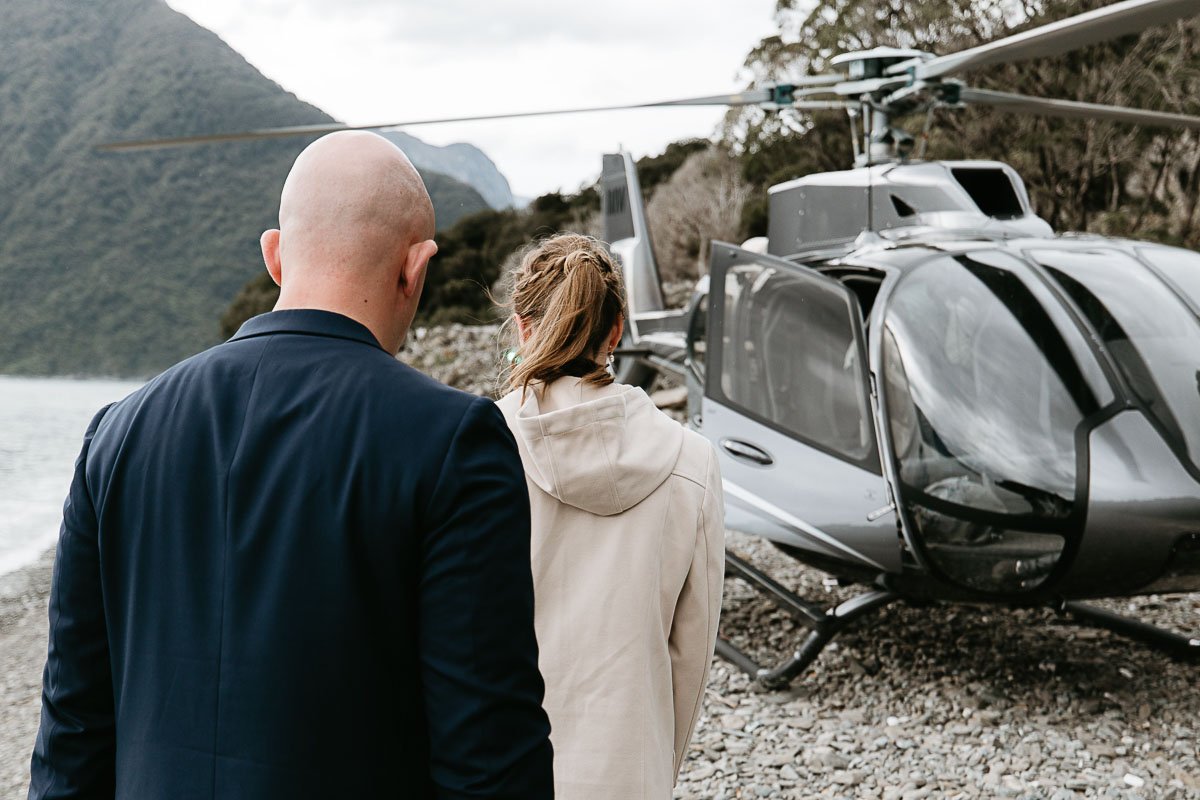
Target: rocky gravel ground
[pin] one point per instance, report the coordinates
(947, 702)
(468, 357)
(932, 702)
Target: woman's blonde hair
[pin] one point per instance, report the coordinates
(570, 292)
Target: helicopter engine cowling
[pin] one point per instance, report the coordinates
(829, 209)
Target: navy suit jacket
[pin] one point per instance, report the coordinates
(291, 567)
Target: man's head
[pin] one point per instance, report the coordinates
(355, 234)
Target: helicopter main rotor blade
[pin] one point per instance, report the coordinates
(750, 97)
(1071, 108)
(753, 97)
(1102, 24)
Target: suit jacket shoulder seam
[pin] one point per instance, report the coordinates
(462, 421)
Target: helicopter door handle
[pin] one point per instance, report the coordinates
(747, 452)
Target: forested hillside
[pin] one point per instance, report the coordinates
(122, 263)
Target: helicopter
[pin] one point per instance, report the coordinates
(916, 386)
(912, 382)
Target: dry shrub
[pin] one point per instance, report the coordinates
(701, 202)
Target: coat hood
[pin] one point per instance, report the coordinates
(601, 449)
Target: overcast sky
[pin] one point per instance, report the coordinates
(367, 61)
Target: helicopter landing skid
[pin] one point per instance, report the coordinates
(823, 625)
(1176, 645)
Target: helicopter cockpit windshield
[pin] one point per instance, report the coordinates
(987, 381)
(1152, 337)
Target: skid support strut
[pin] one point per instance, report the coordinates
(1175, 644)
(823, 625)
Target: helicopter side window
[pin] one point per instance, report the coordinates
(984, 393)
(991, 189)
(898, 206)
(902, 208)
(864, 284)
(790, 359)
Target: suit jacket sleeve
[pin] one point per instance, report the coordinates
(697, 611)
(489, 736)
(75, 752)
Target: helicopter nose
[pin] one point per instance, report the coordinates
(1142, 533)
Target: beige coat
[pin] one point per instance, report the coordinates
(628, 561)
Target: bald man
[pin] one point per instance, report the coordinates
(291, 566)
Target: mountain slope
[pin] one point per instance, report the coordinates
(465, 162)
(122, 263)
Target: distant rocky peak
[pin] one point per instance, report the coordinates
(464, 162)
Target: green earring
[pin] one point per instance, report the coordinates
(512, 356)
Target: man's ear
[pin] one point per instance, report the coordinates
(412, 274)
(270, 250)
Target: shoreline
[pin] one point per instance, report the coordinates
(26, 580)
(20, 559)
(24, 594)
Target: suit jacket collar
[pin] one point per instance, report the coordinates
(306, 321)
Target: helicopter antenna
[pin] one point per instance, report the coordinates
(866, 132)
(870, 138)
(853, 115)
(870, 198)
(925, 132)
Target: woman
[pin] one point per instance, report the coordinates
(628, 541)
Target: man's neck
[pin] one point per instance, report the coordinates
(363, 312)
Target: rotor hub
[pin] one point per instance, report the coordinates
(873, 63)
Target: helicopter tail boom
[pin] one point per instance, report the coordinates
(628, 235)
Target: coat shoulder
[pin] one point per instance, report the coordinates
(406, 380)
(696, 459)
(509, 405)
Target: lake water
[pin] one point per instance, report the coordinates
(42, 421)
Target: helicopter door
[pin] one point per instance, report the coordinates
(786, 403)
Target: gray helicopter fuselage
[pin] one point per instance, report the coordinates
(956, 403)
(1013, 435)
(912, 382)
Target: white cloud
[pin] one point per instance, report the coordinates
(368, 61)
